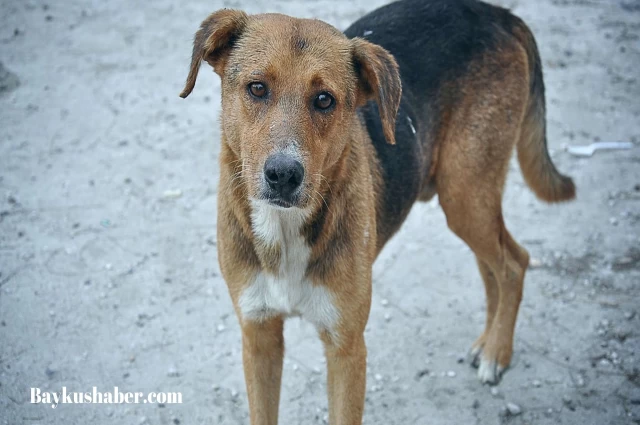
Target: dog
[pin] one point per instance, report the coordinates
(329, 138)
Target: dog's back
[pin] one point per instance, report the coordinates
(437, 44)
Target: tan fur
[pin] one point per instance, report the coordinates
(343, 182)
(538, 170)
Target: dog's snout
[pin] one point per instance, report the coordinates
(283, 173)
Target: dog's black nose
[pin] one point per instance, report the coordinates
(283, 174)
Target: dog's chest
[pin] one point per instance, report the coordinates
(287, 292)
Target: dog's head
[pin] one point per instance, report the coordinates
(290, 90)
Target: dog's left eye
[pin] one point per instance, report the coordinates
(258, 90)
(324, 101)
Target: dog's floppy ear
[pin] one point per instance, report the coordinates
(379, 79)
(213, 41)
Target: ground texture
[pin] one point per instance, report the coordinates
(108, 267)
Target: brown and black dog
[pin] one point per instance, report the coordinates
(329, 138)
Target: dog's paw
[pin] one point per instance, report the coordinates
(490, 358)
(489, 371)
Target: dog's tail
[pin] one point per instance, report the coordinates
(539, 171)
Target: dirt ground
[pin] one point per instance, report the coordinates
(108, 264)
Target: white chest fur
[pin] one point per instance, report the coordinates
(289, 293)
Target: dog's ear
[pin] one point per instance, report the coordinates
(213, 42)
(378, 79)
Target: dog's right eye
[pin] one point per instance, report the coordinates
(258, 90)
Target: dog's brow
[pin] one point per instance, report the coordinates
(257, 72)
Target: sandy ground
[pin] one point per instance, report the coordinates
(105, 281)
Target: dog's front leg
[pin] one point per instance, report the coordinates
(345, 347)
(262, 353)
(346, 377)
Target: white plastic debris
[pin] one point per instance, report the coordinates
(172, 194)
(589, 150)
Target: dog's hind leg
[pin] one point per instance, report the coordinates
(477, 219)
(472, 166)
(492, 294)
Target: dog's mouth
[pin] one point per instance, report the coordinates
(282, 198)
(279, 202)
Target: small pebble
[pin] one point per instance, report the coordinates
(385, 302)
(387, 317)
(173, 372)
(451, 374)
(421, 373)
(613, 221)
(494, 391)
(378, 377)
(513, 409)
(635, 400)
(535, 263)
(536, 383)
(567, 401)
(49, 372)
(221, 327)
